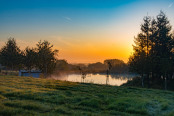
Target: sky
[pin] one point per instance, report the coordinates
(84, 31)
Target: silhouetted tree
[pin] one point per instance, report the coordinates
(137, 62)
(46, 57)
(10, 54)
(30, 58)
(164, 45)
(97, 67)
(118, 66)
(153, 60)
(145, 31)
(62, 65)
(153, 49)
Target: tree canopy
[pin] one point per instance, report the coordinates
(153, 48)
(43, 57)
(46, 60)
(10, 54)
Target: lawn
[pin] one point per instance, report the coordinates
(32, 96)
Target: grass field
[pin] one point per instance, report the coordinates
(31, 96)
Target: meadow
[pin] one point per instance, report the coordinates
(35, 96)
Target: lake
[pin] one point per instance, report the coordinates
(114, 79)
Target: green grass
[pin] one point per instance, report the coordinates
(31, 96)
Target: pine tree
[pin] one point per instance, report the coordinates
(10, 54)
(153, 49)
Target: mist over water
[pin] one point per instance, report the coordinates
(114, 79)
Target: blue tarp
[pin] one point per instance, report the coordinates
(33, 73)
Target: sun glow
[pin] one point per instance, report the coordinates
(84, 33)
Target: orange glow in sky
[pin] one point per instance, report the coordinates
(83, 31)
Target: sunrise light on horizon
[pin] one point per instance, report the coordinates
(83, 31)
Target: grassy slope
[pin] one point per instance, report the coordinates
(30, 96)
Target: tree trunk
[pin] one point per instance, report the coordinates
(148, 80)
(30, 72)
(107, 79)
(45, 73)
(142, 80)
(165, 87)
(12, 66)
(152, 77)
(107, 76)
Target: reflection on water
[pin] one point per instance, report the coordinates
(115, 79)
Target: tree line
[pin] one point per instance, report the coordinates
(153, 51)
(118, 67)
(42, 57)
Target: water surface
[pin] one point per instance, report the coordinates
(114, 79)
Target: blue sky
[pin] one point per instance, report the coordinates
(83, 30)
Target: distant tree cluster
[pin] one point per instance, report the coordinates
(42, 57)
(62, 65)
(117, 66)
(153, 55)
(97, 67)
(114, 66)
